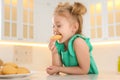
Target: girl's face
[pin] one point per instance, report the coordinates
(63, 27)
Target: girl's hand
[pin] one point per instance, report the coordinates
(52, 46)
(52, 70)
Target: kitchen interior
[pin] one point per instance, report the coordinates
(26, 27)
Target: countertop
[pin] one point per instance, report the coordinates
(44, 76)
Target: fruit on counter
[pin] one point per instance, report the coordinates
(8, 69)
(12, 68)
(1, 62)
(22, 70)
(56, 37)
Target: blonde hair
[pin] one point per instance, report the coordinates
(76, 11)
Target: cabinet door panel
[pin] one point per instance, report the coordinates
(17, 20)
(104, 19)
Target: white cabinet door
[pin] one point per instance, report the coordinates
(8, 22)
(113, 19)
(103, 19)
(17, 20)
(26, 20)
(96, 19)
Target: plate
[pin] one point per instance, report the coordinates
(16, 75)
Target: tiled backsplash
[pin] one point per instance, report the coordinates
(23, 54)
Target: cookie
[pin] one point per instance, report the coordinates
(1, 62)
(22, 70)
(8, 69)
(56, 37)
(0, 71)
(11, 63)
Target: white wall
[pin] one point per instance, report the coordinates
(6, 52)
(106, 56)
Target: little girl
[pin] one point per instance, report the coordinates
(72, 54)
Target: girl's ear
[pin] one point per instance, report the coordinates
(75, 27)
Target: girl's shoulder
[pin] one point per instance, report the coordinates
(79, 41)
(78, 38)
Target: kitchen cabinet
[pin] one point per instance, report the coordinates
(17, 20)
(26, 20)
(102, 20)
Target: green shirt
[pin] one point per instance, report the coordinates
(69, 58)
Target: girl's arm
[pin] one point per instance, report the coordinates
(56, 61)
(82, 53)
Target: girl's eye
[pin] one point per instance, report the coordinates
(58, 25)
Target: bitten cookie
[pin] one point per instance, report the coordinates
(56, 37)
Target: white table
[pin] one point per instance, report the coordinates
(44, 76)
